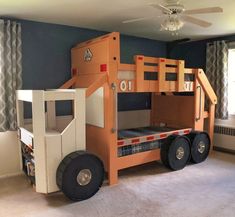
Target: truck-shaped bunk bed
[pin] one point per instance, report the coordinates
(173, 133)
(177, 101)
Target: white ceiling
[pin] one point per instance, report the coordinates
(108, 15)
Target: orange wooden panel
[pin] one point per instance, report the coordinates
(152, 110)
(126, 67)
(151, 60)
(111, 120)
(171, 62)
(137, 159)
(97, 142)
(171, 70)
(103, 51)
(114, 48)
(166, 87)
(98, 39)
(206, 114)
(180, 75)
(169, 86)
(99, 52)
(153, 86)
(206, 85)
(86, 80)
(175, 111)
(139, 61)
(188, 71)
(161, 74)
(199, 104)
(69, 83)
(95, 56)
(96, 84)
(150, 68)
(169, 93)
(99, 139)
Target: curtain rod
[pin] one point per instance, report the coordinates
(6, 20)
(226, 41)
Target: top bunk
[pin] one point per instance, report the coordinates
(99, 58)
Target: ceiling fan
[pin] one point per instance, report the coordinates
(176, 15)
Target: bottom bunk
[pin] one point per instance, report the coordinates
(136, 140)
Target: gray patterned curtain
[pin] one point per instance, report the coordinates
(10, 72)
(217, 72)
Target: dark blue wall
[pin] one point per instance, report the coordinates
(46, 51)
(46, 57)
(131, 46)
(194, 53)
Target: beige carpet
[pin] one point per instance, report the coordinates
(202, 190)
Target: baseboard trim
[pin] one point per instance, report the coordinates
(11, 175)
(229, 151)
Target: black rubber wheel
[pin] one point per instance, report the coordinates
(80, 175)
(175, 152)
(200, 146)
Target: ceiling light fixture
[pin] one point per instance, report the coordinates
(172, 24)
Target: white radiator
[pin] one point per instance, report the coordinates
(224, 137)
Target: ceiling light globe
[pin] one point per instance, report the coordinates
(172, 23)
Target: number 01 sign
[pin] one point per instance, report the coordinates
(125, 85)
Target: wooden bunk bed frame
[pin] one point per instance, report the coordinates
(178, 98)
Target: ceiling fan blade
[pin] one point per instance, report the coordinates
(161, 29)
(136, 19)
(204, 10)
(172, 1)
(161, 7)
(196, 21)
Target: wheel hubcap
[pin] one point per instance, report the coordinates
(201, 147)
(84, 177)
(180, 153)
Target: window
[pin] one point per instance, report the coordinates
(231, 81)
